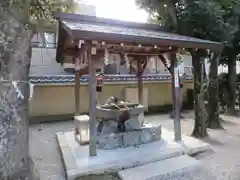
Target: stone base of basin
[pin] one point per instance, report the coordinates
(77, 162)
(129, 138)
(106, 127)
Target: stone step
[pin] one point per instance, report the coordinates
(160, 170)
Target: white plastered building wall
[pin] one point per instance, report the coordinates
(43, 60)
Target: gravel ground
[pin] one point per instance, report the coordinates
(221, 163)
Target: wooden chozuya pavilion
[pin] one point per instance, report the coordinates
(84, 40)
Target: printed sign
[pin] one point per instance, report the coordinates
(207, 66)
(176, 77)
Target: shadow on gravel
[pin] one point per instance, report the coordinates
(212, 141)
(226, 122)
(202, 155)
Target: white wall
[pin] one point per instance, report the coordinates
(43, 62)
(43, 59)
(222, 68)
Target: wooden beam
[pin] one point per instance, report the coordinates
(92, 106)
(75, 51)
(110, 44)
(150, 53)
(70, 51)
(137, 57)
(100, 52)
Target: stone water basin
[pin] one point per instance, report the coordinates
(111, 113)
(111, 120)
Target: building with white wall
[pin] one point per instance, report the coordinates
(43, 60)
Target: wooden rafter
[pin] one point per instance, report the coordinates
(137, 53)
(72, 49)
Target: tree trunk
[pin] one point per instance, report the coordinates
(200, 127)
(232, 78)
(15, 162)
(213, 105)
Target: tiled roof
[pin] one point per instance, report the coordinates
(66, 79)
(110, 29)
(91, 28)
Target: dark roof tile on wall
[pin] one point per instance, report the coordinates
(69, 79)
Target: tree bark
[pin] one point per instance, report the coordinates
(15, 52)
(213, 105)
(200, 127)
(232, 79)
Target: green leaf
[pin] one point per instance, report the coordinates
(39, 13)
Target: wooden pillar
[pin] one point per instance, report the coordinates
(92, 106)
(77, 97)
(141, 65)
(176, 97)
(140, 82)
(77, 91)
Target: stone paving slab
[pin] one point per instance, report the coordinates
(111, 160)
(189, 144)
(67, 156)
(162, 170)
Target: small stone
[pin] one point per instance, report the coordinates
(151, 134)
(109, 127)
(110, 141)
(146, 137)
(132, 138)
(157, 133)
(132, 124)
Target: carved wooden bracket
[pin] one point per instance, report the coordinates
(164, 61)
(122, 59)
(83, 55)
(141, 63)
